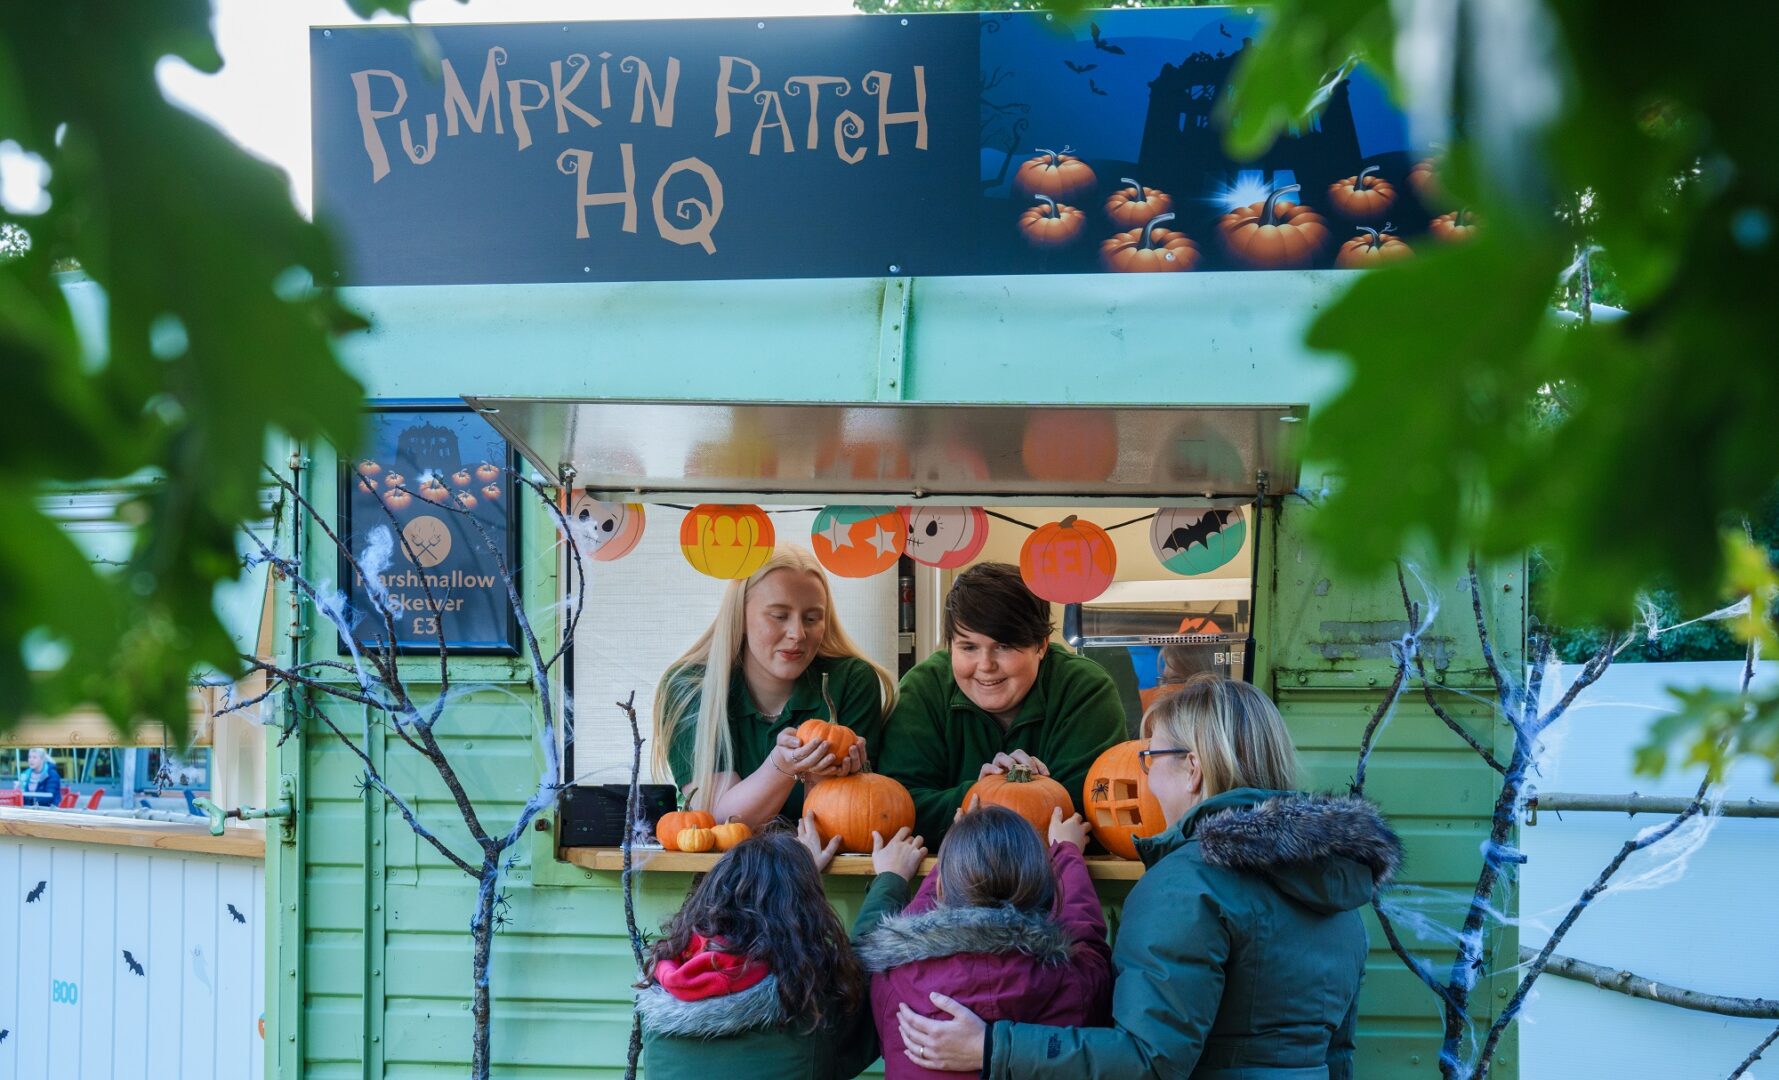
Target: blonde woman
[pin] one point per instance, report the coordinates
(733, 750)
(1241, 948)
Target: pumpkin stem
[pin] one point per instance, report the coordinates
(827, 703)
(1019, 774)
(1272, 202)
(1148, 243)
(1359, 181)
(1372, 238)
(1050, 210)
(1069, 522)
(1140, 196)
(1055, 156)
(1459, 222)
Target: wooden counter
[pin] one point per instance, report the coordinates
(71, 827)
(654, 860)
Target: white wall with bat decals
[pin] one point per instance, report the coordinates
(130, 963)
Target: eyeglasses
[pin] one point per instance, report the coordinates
(1143, 757)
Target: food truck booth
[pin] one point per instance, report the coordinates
(781, 267)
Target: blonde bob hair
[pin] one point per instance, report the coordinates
(718, 651)
(1236, 730)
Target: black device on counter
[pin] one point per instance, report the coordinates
(593, 816)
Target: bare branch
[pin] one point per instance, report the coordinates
(375, 780)
(1482, 636)
(1409, 960)
(1633, 985)
(1755, 1055)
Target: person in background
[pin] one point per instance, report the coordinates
(1000, 693)
(40, 782)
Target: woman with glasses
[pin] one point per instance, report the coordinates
(1242, 947)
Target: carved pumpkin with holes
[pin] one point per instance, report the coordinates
(1455, 227)
(1362, 197)
(1051, 224)
(1069, 561)
(1372, 247)
(1120, 807)
(853, 807)
(606, 531)
(726, 542)
(1133, 206)
(945, 536)
(1149, 250)
(1056, 173)
(1270, 235)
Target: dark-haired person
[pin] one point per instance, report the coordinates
(999, 693)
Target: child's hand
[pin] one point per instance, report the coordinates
(901, 856)
(811, 839)
(1073, 831)
(975, 804)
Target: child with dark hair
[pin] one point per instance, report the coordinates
(754, 976)
(1003, 925)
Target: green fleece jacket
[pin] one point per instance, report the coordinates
(938, 740)
(1240, 952)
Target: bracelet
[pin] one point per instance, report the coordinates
(792, 775)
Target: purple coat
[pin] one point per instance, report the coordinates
(1053, 968)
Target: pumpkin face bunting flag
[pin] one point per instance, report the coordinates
(857, 541)
(1069, 561)
(726, 542)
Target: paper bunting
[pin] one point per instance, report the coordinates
(606, 531)
(858, 541)
(1189, 541)
(1069, 561)
(945, 536)
(726, 541)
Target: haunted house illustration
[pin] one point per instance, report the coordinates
(429, 448)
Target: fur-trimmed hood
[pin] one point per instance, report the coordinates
(712, 1018)
(941, 932)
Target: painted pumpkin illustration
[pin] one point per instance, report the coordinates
(1455, 227)
(1191, 541)
(433, 490)
(606, 531)
(857, 541)
(397, 500)
(1024, 792)
(491, 492)
(1120, 807)
(464, 500)
(726, 542)
(1051, 224)
(1134, 206)
(1056, 173)
(852, 807)
(487, 472)
(461, 478)
(394, 480)
(1372, 247)
(1424, 178)
(1079, 446)
(367, 467)
(667, 830)
(1268, 236)
(945, 536)
(1363, 197)
(1069, 561)
(841, 739)
(1149, 249)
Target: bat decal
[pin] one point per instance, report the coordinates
(1105, 45)
(1199, 532)
(236, 915)
(1222, 31)
(1095, 87)
(132, 963)
(36, 894)
(1080, 69)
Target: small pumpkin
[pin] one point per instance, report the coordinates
(696, 839)
(399, 499)
(1424, 178)
(461, 478)
(730, 833)
(1372, 247)
(841, 739)
(1265, 235)
(667, 830)
(433, 490)
(1137, 206)
(1051, 224)
(367, 467)
(1363, 197)
(1024, 792)
(1056, 173)
(1455, 227)
(487, 472)
(853, 807)
(1120, 807)
(1149, 249)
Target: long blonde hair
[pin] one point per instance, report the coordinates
(716, 651)
(1240, 738)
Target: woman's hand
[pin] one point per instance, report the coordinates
(792, 757)
(953, 1045)
(811, 839)
(1073, 831)
(1003, 762)
(900, 856)
(853, 762)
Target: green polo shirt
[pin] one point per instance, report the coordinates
(852, 685)
(938, 739)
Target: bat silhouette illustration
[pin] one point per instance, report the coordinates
(36, 894)
(1199, 532)
(1080, 69)
(1095, 87)
(236, 915)
(1107, 46)
(1222, 31)
(4, 1032)
(132, 963)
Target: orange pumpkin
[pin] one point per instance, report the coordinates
(730, 833)
(726, 541)
(1266, 236)
(1372, 247)
(852, 807)
(1069, 561)
(398, 499)
(1149, 249)
(1055, 173)
(696, 839)
(1024, 792)
(1455, 227)
(667, 830)
(840, 738)
(1363, 197)
(367, 467)
(1424, 178)
(1120, 807)
(1138, 206)
(1051, 224)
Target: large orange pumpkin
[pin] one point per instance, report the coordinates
(1120, 807)
(1363, 197)
(1455, 227)
(1069, 561)
(726, 541)
(1136, 206)
(1055, 173)
(841, 738)
(1373, 247)
(1051, 224)
(852, 807)
(1267, 236)
(1024, 792)
(667, 830)
(1149, 249)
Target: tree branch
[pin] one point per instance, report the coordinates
(1633, 985)
(1482, 635)
(1755, 1055)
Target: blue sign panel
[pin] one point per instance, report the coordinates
(845, 146)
